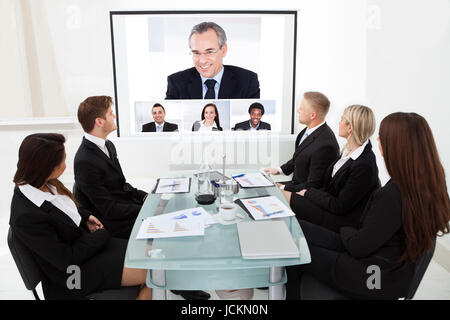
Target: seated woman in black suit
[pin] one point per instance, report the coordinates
(46, 218)
(349, 181)
(210, 119)
(399, 224)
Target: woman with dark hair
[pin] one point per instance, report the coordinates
(46, 218)
(210, 119)
(398, 226)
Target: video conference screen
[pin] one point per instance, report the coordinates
(205, 71)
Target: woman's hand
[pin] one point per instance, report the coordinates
(287, 195)
(93, 224)
(302, 192)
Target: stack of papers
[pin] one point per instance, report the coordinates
(174, 185)
(269, 207)
(252, 180)
(183, 223)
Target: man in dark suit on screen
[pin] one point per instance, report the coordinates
(209, 78)
(256, 111)
(159, 125)
(316, 146)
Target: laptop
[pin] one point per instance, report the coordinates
(266, 240)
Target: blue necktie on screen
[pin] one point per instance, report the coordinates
(210, 93)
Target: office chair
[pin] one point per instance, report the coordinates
(312, 289)
(419, 271)
(31, 274)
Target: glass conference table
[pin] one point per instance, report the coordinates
(212, 261)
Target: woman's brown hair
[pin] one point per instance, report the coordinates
(216, 119)
(413, 163)
(39, 155)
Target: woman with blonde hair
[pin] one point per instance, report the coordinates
(349, 181)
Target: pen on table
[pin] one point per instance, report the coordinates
(170, 185)
(239, 175)
(275, 212)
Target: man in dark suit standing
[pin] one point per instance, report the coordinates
(159, 125)
(256, 111)
(316, 146)
(209, 78)
(100, 185)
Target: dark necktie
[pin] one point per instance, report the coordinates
(210, 93)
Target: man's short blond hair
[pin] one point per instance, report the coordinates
(318, 102)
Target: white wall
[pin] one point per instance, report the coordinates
(399, 62)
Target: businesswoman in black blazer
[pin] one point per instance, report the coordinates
(349, 181)
(45, 217)
(398, 226)
(210, 119)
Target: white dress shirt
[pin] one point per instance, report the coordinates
(344, 158)
(206, 128)
(62, 202)
(99, 142)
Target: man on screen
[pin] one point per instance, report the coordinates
(159, 125)
(209, 78)
(256, 111)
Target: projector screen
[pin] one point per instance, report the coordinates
(156, 64)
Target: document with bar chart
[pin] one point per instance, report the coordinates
(252, 180)
(161, 228)
(269, 207)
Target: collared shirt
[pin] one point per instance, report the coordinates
(309, 132)
(159, 127)
(99, 142)
(218, 78)
(251, 127)
(354, 155)
(62, 202)
(206, 128)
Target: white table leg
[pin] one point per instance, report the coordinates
(158, 277)
(277, 292)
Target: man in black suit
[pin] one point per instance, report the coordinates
(256, 111)
(100, 185)
(316, 146)
(209, 78)
(159, 125)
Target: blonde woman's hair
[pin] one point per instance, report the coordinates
(362, 122)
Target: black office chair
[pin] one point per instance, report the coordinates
(312, 289)
(419, 272)
(31, 274)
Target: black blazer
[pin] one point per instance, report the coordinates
(151, 127)
(311, 159)
(236, 83)
(245, 125)
(346, 194)
(101, 188)
(56, 242)
(379, 240)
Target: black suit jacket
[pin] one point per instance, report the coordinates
(236, 83)
(344, 195)
(311, 159)
(151, 127)
(379, 240)
(245, 125)
(101, 187)
(56, 242)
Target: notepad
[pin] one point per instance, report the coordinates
(266, 240)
